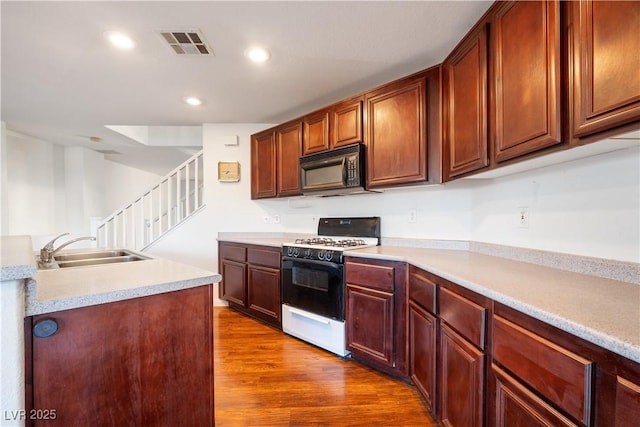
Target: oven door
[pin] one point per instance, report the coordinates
(314, 286)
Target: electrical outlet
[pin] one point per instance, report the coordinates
(413, 216)
(276, 219)
(523, 217)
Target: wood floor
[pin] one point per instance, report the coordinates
(266, 378)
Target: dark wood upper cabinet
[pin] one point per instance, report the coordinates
(465, 137)
(289, 145)
(263, 165)
(275, 161)
(346, 123)
(396, 133)
(332, 127)
(316, 132)
(525, 50)
(605, 65)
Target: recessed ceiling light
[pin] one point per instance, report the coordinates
(258, 54)
(120, 40)
(192, 100)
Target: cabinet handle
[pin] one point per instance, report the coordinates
(45, 328)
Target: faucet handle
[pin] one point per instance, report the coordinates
(50, 244)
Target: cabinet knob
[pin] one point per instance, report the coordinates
(45, 328)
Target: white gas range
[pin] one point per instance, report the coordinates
(313, 285)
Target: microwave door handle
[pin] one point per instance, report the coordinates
(344, 171)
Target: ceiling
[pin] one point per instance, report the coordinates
(62, 82)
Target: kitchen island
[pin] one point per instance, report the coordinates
(126, 343)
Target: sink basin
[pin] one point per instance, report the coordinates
(76, 256)
(92, 257)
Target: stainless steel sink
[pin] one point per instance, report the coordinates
(92, 257)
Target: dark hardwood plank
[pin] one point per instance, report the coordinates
(266, 378)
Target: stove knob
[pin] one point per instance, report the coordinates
(321, 255)
(328, 256)
(290, 252)
(307, 253)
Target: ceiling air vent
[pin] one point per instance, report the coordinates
(186, 42)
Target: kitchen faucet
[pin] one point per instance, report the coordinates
(47, 252)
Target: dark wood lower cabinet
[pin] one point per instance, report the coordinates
(251, 280)
(263, 292)
(627, 412)
(234, 287)
(376, 314)
(370, 326)
(461, 381)
(145, 361)
(515, 405)
(422, 353)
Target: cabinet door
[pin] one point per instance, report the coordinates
(263, 165)
(525, 51)
(347, 123)
(422, 353)
(263, 292)
(316, 133)
(143, 361)
(465, 106)
(462, 369)
(233, 285)
(370, 324)
(627, 411)
(515, 405)
(606, 81)
(289, 138)
(396, 131)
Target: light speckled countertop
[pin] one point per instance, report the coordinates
(602, 311)
(16, 258)
(61, 289)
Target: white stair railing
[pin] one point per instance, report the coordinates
(177, 196)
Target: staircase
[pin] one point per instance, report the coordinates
(176, 197)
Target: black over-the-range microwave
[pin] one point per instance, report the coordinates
(335, 172)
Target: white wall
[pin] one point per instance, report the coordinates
(12, 356)
(586, 207)
(49, 189)
(35, 197)
(228, 205)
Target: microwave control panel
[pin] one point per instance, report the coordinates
(353, 171)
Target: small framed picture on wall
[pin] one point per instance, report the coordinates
(228, 171)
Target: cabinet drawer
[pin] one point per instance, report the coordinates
(371, 276)
(560, 375)
(233, 252)
(465, 316)
(422, 291)
(263, 256)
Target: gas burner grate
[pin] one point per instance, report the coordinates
(325, 241)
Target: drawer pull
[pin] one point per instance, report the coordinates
(45, 328)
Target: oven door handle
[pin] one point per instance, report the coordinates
(308, 315)
(312, 261)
